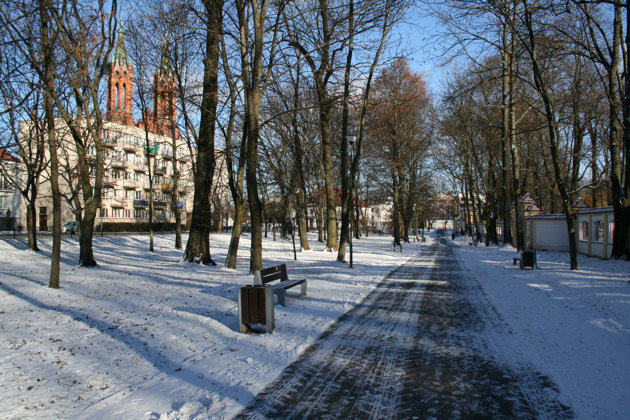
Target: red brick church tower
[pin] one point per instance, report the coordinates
(164, 98)
(120, 84)
(120, 93)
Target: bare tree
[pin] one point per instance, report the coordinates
(198, 246)
(86, 37)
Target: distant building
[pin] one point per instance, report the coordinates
(10, 197)
(124, 203)
(317, 202)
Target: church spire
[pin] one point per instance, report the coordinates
(120, 83)
(164, 98)
(120, 54)
(165, 60)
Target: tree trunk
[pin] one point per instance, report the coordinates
(620, 169)
(236, 233)
(253, 96)
(49, 86)
(329, 181)
(198, 246)
(175, 191)
(346, 195)
(552, 128)
(31, 221)
(519, 216)
(505, 138)
(396, 202)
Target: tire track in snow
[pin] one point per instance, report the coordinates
(413, 348)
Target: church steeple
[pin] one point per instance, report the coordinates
(120, 54)
(164, 112)
(120, 83)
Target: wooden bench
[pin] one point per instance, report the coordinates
(278, 272)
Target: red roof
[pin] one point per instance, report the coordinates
(314, 194)
(7, 156)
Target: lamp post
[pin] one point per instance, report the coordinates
(351, 140)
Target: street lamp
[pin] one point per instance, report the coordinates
(351, 138)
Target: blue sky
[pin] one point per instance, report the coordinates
(419, 34)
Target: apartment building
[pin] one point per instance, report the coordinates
(141, 158)
(10, 197)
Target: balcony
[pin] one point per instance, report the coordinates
(146, 186)
(141, 203)
(167, 155)
(150, 150)
(129, 146)
(131, 185)
(167, 187)
(118, 164)
(108, 181)
(160, 205)
(110, 142)
(139, 167)
(118, 202)
(159, 170)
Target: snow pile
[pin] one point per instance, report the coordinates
(146, 336)
(573, 326)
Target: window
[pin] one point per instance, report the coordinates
(104, 213)
(598, 231)
(140, 214)
(120, 213)
(611, 227)
(583, 231)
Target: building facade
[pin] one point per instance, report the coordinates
(11, 217)
(143, 160)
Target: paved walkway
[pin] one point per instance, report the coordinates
(414, 348)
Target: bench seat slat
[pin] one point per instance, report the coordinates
(279, 272)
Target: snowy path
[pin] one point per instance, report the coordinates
(420, 345)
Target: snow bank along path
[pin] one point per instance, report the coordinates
(146, 336)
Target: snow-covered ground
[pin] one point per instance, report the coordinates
(144, 335)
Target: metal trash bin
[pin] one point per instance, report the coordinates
(255, 307)
(528, 259)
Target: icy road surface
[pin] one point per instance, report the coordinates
(422, 344)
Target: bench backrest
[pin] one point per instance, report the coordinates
(266, 275)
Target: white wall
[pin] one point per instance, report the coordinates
(548, 234)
